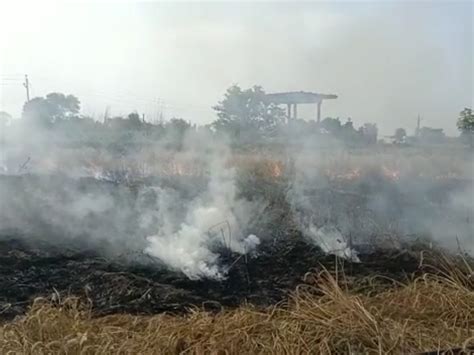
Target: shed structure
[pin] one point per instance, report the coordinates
(293, 98)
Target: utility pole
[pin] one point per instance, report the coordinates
(417, 132)
(160, 110)
(318, 117)
(106, 114)
(160, 113)
(26, 84)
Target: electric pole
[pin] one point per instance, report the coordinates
(417, 131)
(26, 84)
(106, 114)
(160, 110)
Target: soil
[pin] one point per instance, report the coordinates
(28, 271)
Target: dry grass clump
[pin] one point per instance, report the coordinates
(432, 312)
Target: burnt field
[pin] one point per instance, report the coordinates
(111, 287)
(53, 246)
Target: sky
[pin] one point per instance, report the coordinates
(388, 61)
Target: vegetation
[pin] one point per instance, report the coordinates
(466, 125)
(55, 107)
(466, 120)
(430, 313)
(400, 135)
(333, 314)
(245, 116)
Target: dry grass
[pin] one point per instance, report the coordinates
(155, 161)
(434, 311)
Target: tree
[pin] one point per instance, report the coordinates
(178, 125)
(247, 113)
(63, 106)
(369, 133)
(176, 130)
(349, 135)
(400, 135)
(348, 126)
(53, 108)
(332, 126)
(466, 125)
(134, 121)
(38, 111)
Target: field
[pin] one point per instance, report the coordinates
(351, 257)
(332, 313)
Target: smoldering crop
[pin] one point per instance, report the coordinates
(180, 209)
(186, 245)
(403, 198)
(178, 220)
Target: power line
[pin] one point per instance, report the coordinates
(11, 76)
(6, 83)
(120, 97)
(124, 96)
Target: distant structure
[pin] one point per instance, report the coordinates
(293, 98)
(431, 135)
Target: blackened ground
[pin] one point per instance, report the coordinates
(27, 272)
(49, 269)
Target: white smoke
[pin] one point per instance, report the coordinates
(214, 218)
(331, 241)
(428, 197)
(251, 243)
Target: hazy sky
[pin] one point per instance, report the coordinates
(387, 60)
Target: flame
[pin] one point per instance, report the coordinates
(277, 169)
(264, 166)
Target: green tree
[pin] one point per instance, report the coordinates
(466, 125)
(51, 109)
(349, 135)
(332, 126)
(175, 130)
(178, 125)
(63, 106)
(247, 114)
(400, 134)
(134, 121)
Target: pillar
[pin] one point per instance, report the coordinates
(288, 106)
(319, 111)
(295, 111)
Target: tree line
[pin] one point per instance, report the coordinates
(245, 116)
